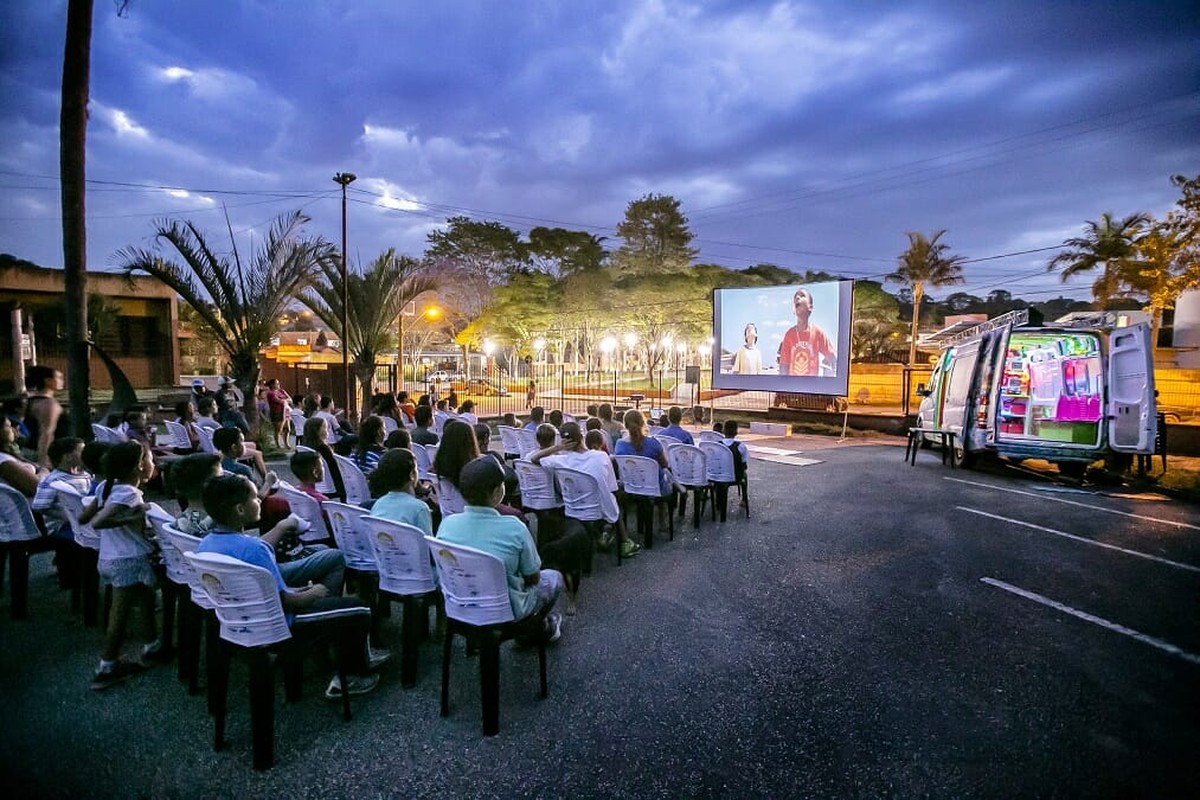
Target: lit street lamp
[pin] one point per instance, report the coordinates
(344, 179)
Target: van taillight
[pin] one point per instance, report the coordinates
(981, 415)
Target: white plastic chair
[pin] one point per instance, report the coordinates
(406, 573)
(527, 442)
(325, 486)
(538, 489)
(654, 430)
(19, 538)
(450, 500)
(206, 442)
(639, 479)
(308, 509)
(357, 490)
(689, 466)
(87, 553)
(580, 494)
(475, 588)
(424, 461)
(106, 434)
(179, 435)
(389, 424)
(510, 440)
(709, 436)
(722, 474)
(346, 522)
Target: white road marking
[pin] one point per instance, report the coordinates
(1086, 617)
(795, 461)
(1075, 503)
(776, 451)
(1075, 538)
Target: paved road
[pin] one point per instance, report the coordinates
(873, 629)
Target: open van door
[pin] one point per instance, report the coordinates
(1132, 416)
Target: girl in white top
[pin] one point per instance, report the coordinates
(119, 514)
(748, 359)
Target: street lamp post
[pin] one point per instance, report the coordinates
(344, 179)
(607, 345)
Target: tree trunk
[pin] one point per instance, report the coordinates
(245, 373)
(918, 296)
(365, 372)
(71, 156)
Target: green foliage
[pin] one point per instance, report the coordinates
(564, 252)
(877, 323)
(926, 261)
(239, 301)
(1110, 244)
(484, 249)
(657, 240)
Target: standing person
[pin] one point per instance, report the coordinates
(748, 359)
(804, 344)
(531, 393)
(277, 407)
(532, 590)
(42, 409)
(119, 514)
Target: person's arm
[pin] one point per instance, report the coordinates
(300, 599)
(116, 515)
(537, 455)
(23, 480)
(285, 526)
(47, 424)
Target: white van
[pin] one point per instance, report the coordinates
(1066, 395)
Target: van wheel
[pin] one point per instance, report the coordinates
(1072, 469)
(965, 458)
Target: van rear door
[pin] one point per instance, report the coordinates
(1132, 416)
(959, 383)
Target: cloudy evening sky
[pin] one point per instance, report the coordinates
(807, 134)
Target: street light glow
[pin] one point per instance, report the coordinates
(608, 344)
(630, 339)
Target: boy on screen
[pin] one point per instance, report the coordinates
(804, 344)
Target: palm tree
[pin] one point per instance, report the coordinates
(1109, 243)
(240, 302)
(377, 297)
(925, 262)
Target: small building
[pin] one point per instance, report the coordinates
(138, 327)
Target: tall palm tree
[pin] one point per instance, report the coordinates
(925, 262)
(377, 297)
(1109, 243)
(240, 301)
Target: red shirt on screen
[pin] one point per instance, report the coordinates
(800, 351)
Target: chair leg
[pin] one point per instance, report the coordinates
(218, 688)
(170, 601)
(489, 682)
(262, 709)
(18, 580)
(187, 624)
(414, 622)
(89, 585)
(723, 500)
(671, 515)
(697, 501)
(447, 646)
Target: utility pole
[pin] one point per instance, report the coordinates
(344, 179)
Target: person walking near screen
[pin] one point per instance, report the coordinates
(804, 344)
(748, 359)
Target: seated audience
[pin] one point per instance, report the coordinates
(314, 438)
(466, 412)
(394, 484)
(66, 460)
(532, 591)
(14, 470)
(537, 415)
(424, 433)
(191, 473)
(674, 429)
(370, 443)
(610, 426)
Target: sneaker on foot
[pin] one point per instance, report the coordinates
(122, 670)
(355, 684)
(606, 541)
(377, 658)
(553, 628)
(630, 548)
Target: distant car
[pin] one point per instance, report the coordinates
(479, 386)
(439, 376)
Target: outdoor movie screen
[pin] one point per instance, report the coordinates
(783, 338)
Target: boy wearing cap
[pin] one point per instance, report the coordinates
(531, 589)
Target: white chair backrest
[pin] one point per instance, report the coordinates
(346, 522)
(246, 599)
(450, 500)
(720, 462)
(206, 442)
(71, 502)
(325, 486)
(424, 461)
(580, 494)
(298, 419)
(710, 436)
(178, 571)
(509, 438)
(401, 554)
(357, 491)
(568, 417)
(667, 442)
(538, 490)
(16, 516)
(179, 434)
(653, 430)
(639, 475)
(473, 583)
(184, 543)
(527, 442)
(689, 465)
(308, 509)
(106, 434)
(389, 424)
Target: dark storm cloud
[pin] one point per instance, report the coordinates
(787, 129)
